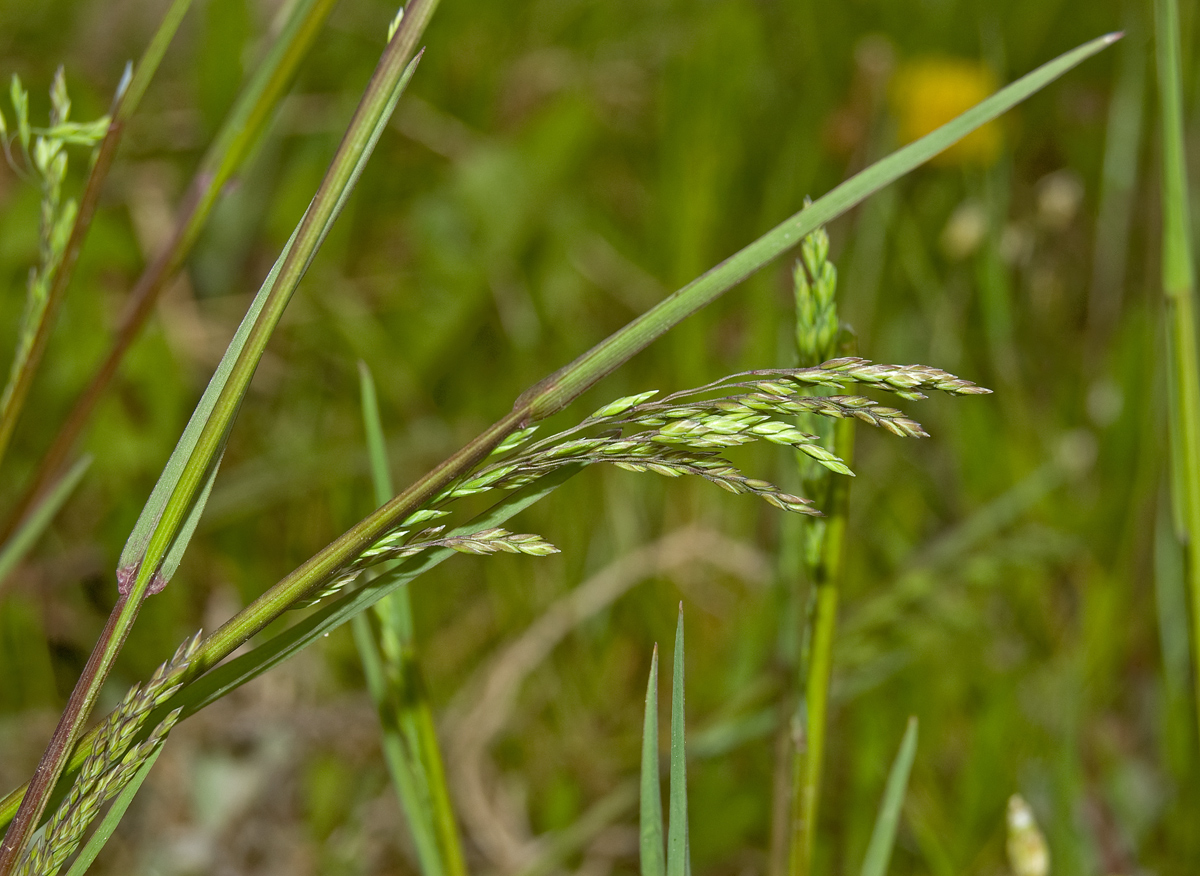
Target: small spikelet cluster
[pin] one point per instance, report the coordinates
(814, 284)
(397, 545)
(43, 159)
(111, 765)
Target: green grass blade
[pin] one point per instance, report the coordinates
(1178, 279)
(678, 853)
(376, 443)
(396, 685)
(404, 772)
(651, 795)
(112, 818)
(35, 524)
(883, 835)
(156, 537)
(559, 389)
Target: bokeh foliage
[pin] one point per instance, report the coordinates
(556, 168)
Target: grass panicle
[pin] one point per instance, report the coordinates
(206, 681)
(41, 157)
(112, 765)
(820, 335)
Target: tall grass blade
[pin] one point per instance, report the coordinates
(35, 524)
(396, 684)
(1178, 279)
(883, 835)
(651, 795)
(678, 851)
(564, 386)
(160, 535)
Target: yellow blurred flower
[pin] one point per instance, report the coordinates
(928, 92)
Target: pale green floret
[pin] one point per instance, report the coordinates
(622, 405)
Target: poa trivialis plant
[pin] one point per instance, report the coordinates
(682, 434)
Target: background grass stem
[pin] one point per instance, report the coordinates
(1178, 281)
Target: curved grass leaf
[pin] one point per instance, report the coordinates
(678, 851)
(567, 384)
(394, 680)
(160, 536)
(37, 521)
(883, 835)
(651, 795)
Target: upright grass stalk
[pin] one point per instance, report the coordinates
(546, 397)
(239, 133)
(1178, 279)
(174, 507)
(129, 96)
(819, 334)
(825, 576)
(397, 686)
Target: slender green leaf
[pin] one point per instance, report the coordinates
(394, 680)
(400, 758)
(376, 443)
(1178, 280)
(116, 811)
(678, 854)
(160, 535)
(564, 386)
(651, 795)
(35, 524)
(883, 835)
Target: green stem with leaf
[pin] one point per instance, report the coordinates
(825, 576)
(545, 398)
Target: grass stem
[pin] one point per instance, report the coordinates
(1178, 279)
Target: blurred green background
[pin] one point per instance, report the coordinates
(556, 168)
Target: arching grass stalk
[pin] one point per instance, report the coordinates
(543, 399)
(1178, 279)
(129, 96)
(239, 133)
